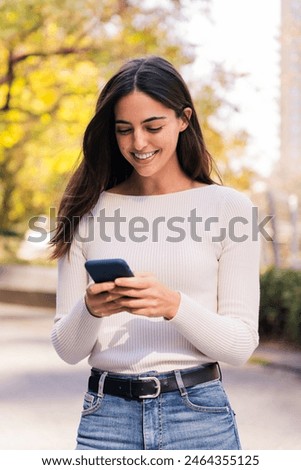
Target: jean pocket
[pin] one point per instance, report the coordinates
(92, 403)
(209, 398)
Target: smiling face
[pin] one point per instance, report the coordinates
(147, 133)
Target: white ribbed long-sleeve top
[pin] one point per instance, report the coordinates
(201, 242)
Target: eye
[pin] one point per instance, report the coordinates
(154, 129)
(123, 131)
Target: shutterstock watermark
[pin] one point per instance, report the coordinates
(139, 229)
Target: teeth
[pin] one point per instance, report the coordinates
(144, 156)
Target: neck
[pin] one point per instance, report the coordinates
(137, 185)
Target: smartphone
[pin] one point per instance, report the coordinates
(104, 270)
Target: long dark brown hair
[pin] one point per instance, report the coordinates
(103, 166)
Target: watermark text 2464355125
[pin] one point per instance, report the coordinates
(174, 229)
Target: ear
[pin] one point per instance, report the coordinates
(186, 115)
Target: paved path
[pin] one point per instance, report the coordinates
(28, 285)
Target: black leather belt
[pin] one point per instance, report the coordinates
(150, 387)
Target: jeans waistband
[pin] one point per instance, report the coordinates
(150, 385)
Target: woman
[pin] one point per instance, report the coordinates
(143, 192)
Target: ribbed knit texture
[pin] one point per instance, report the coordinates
(216, 273)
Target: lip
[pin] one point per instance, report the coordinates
(147, 158)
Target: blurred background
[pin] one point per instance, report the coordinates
(242, 62)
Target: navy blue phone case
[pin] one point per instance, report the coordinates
(104, 270)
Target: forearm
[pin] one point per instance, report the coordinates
(74, 335)
(228, 337)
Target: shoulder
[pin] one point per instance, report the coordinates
(230, 197)
(231, 193)
(102, 200)
(231, 205)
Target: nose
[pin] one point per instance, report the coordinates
(139, 140)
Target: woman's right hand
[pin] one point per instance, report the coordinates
(100, 302)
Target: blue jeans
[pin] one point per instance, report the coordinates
(198, 417)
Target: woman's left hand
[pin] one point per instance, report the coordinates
(144, 295)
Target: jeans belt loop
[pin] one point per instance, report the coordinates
(219, 371)
(180, 383)
(101, 384)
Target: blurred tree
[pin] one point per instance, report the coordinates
(54, 56)
(226, 146)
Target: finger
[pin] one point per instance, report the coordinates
(113, 308)
(110, 297)
(135, 282)
(129, 292)
(143, 274)
(102, 302)
(130, 303)
(104, 311)
(97, 288)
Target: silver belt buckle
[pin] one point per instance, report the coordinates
(157, 386)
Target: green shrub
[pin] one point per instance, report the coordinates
(280, 305)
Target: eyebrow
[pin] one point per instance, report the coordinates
(153, 118)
